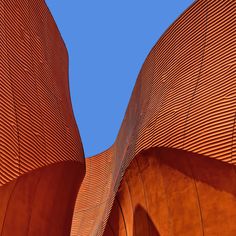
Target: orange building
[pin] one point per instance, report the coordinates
(171, 170)
(41, 155)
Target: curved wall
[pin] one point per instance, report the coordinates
(41, 155)
(37, 123)
(41, 202)
(173, 192)
(184, 99)
(178, 133)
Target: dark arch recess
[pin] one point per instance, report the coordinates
(174, 192)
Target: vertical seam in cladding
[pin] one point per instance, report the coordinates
(170, 225)
(30, 216)
(122, 213)
(130, 197)
(193, 96)
(8, 203)
(198, 198)
(36, 87)
(199, 73)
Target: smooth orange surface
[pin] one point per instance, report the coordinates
(171, 170)
(40, 202)
(174, 192)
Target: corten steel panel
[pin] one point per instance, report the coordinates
(37, 122)
(41, 155)
(41, 202)
(184, 102)
(177, 138)
(158, 195)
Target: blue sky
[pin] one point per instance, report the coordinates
(108, 42)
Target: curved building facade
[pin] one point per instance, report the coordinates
(171, 170)
(41, 155)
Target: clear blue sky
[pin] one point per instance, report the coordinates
(108, 42)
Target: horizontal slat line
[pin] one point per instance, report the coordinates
(39, 84)
(163, 92)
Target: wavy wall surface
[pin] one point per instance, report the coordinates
(171, 170)
(41, 155)
(37, 123)
(183, 102)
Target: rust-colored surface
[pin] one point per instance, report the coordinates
(173, 192)
(41, 155)
(41, 202)
(175, 150)
(37, 124)
(184, 102)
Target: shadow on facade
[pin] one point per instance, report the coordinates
(171, 191)
(138, 230)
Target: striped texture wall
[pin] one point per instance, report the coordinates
(184, 99)
(37, 124)
(41, 154)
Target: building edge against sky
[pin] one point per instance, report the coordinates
(108, 43)
(175, 149)
(171, 170)
(41, 154)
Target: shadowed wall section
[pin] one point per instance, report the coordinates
(173, 192)
(40, 202)
(184, 99)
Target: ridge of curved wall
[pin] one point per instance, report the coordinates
(184, 99)
(180, 122)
